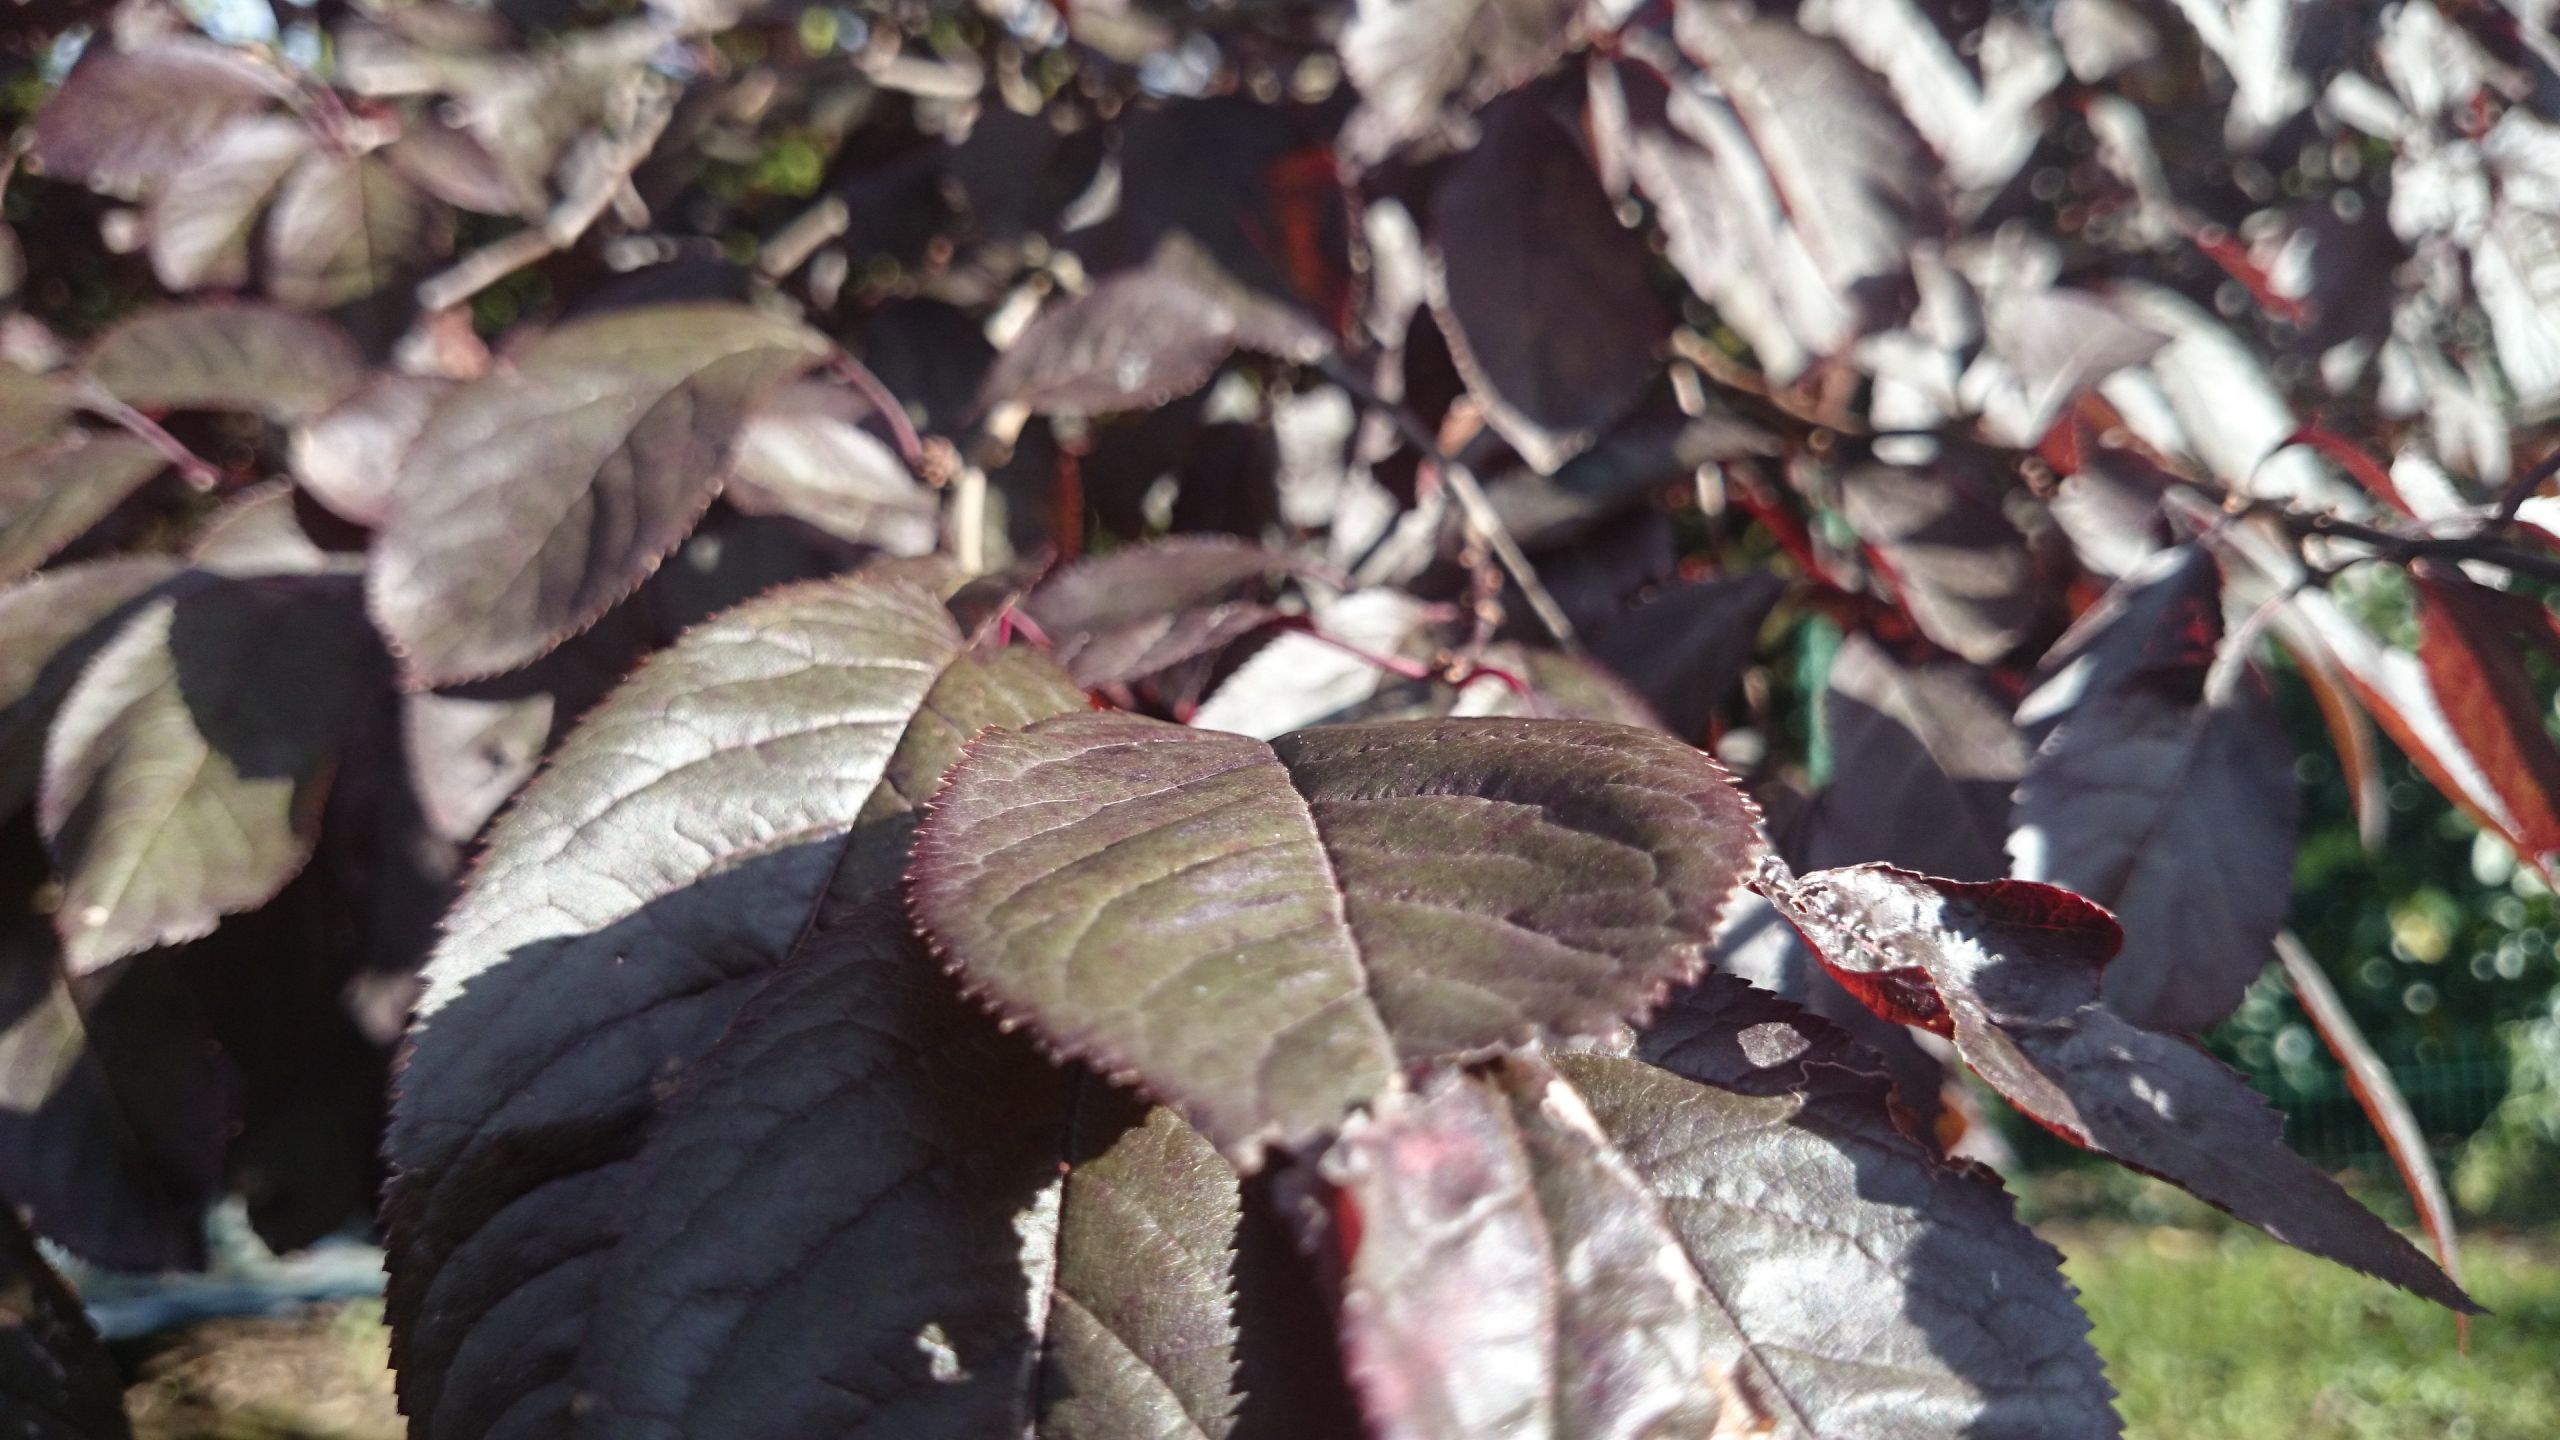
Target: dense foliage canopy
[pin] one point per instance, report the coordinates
(1270, 718)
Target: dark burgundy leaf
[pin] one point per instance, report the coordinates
(853, 1221)
(125, 120)
(2472, 641)
(1593, 1245)
(49, 628)
(52, 492)
(539, 495)
(203, 219)
(1542, 292)
(56, 1381)
(1961, 569)
(1792, 192)
(1414, 59)
(2171, 805)
(1266, 935)
(1685, 649)
(256, 358)
(184, 775)
(1511, 1275)
(345, 226)
(2010, 971)
(1144, 336)
(1123, 616)
(1924, 756)
(112, 1109)
(765, 771)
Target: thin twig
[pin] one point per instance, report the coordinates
(2520, 489)
(2393, 545)
(1474, 508)
(867, 383)
(199, 472)
(793, 244)
(603, 174)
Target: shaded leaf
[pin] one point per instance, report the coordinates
(862, 1131)
(1685, 648)
(1961, 569)
(56, 1381)
(784, 750)
(111, 1159)
(345, 226)
(49, 628)
(203, 219)
(184, 775)
(2010, 971)
(2171, 805)
(257, 358)
(126, 119)
(803, 455)
(53, 492)
(1144, 336)
(1266, 935)
(1541, 291)
(1924, 756)
(260, 532)
(540, 494)
(1120, 617)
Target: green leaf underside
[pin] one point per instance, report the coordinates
(537, 496)
(852, 1223)
(2011, 971)
(186, 768)
(752, 786)
(1265, 936)
(1591, 1245)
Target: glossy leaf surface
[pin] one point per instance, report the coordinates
(1266, 935)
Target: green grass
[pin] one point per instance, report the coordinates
(2231, 1337)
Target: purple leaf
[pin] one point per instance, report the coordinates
(1962, 570)
(1593, 1245)
(1924, 757)
(1115, 618)
(53, 491)
(256, 358)
(759, 776)
(2010, 971)
(1413, 60)
(185, 771)
(803, 455)
(539, 495)
(350, 457)
(1144, 336)
(1267, 935)
(53, 624)
(345, 226)
(2171, 805)
(1542, 292)
(127, 119)
(863, 1131)
(1686, 648)
(202, 221)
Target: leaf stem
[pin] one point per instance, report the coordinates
(892, 414)
(199, 472)
(1474, 508)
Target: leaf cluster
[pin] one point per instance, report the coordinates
(1070, 719)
